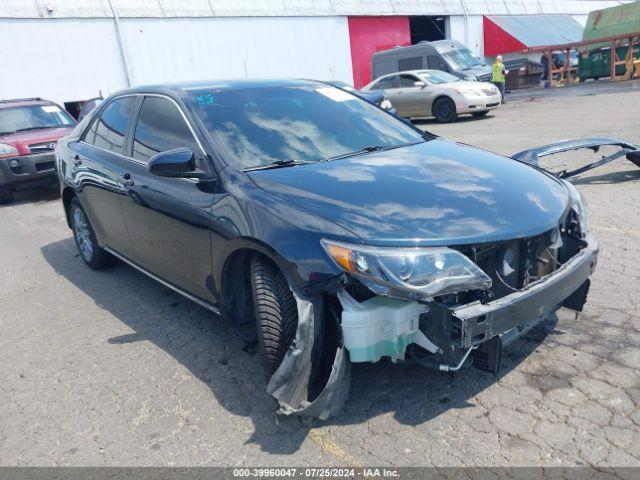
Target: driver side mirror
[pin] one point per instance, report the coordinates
(177, 163)
(420, 84)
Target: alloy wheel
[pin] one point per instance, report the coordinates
(82, 233)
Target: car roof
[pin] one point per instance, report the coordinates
(412, 72)
(22, 102)
(217, 85)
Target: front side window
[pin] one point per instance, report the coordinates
(258, 126)
(160, 127)
(407, 81)
(435, 63)
(386, 82)
(32, 117)
(109, 130)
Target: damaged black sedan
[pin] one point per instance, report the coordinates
(346, 234)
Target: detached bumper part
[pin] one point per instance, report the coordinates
(627, 149)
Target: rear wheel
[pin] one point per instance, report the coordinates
(480, 114)
(276, 312)
(444, 109)
(93, 255)
(6, 195)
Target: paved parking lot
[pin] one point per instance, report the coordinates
(110, 368)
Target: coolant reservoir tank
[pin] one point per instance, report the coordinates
(378, 327)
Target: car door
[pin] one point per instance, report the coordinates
(413, 98)
(168, 219)
(389, 85)
(98, 168)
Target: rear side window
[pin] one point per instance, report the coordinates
(412, 63)
(160, 127)
(387, 82)
(108, 131)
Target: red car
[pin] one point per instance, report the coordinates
(29, 131)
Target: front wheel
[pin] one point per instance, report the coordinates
(6, 195)
(276, 312)
(444, 109)
(85, 237)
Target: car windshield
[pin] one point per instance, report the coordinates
(436, 77)
(259, 126)
(461, 59)
(32, 117)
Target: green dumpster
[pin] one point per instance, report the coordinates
(597, 63)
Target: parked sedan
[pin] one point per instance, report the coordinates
(433, 93)
(346, 234)
(372, 96)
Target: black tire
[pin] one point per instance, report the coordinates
(480, 114)
(6, 195)
(276, 313)
(96, 257)
(444, 109)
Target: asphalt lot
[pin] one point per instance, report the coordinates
(110, 368)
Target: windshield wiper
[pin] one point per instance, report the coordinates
(40, 127)
(373, 148)
(279, 164)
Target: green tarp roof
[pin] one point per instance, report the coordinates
(613, 21)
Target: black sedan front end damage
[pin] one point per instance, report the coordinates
(348, 320)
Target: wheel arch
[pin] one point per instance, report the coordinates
(68, 194)
(233, 277)
(440, 97)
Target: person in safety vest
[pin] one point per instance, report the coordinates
(498, 75)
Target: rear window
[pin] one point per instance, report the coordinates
(33, 117)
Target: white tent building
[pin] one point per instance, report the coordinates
(69, 50)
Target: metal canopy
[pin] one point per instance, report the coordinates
(538, 30)
(288, 8)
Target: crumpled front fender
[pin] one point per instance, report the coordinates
(298, 384)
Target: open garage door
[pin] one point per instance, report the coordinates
(427, 28)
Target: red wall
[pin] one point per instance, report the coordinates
(497, 41)
(372, 34)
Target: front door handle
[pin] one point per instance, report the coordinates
(77, 161)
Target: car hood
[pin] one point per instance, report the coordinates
(433, 193)
(21, 140)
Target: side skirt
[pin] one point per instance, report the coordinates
(193, 298)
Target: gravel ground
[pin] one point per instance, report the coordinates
(110, 368)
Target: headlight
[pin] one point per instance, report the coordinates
(408, 272)
(386, 104)
(471, 78)
(579, 206)
(7, 150)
